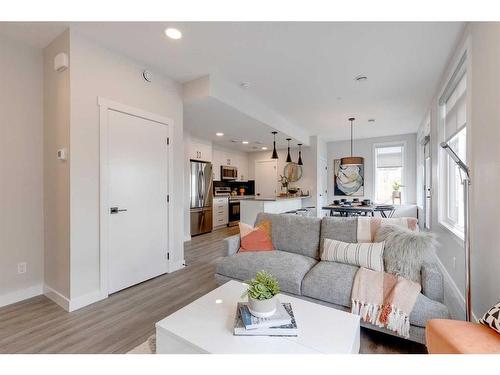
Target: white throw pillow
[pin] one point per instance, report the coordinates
(368, 255)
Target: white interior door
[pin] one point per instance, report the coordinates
(266, 178)
(138, 188)
(323, 187)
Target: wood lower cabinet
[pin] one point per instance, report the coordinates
(220, 211)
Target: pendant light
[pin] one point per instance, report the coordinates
(355, 160)
(299, 162)
(288, 156)
(275, 154)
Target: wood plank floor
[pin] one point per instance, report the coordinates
(127, 318)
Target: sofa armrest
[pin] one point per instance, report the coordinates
(231, 245)
(432, 281)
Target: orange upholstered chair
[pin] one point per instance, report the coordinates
(445, 336)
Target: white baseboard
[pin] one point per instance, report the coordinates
(57, 297)
(75, 303)
(187, 238)
(175, 266)
(85, 300)
(19, 295)
(454, 298)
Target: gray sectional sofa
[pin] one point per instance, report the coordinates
(300, 272)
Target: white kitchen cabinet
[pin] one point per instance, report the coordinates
(234, 159)
(200, 150)
(220, 211)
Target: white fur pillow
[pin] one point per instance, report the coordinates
(368, 255)
(405, 250)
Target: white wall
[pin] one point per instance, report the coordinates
(56, 103)
(364, 148)
(21, 163)
(96, 71)
(485, 164)
(221, 155)
(483, 79)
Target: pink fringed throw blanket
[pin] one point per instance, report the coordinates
(368, 226)
(384, 300)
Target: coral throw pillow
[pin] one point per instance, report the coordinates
(256, 239)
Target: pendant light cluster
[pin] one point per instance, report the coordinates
(352, 160)
(288, 156)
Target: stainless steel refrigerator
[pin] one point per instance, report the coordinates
(201, 197)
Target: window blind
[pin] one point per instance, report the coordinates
(389, 157)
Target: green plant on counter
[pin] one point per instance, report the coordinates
(263, 286)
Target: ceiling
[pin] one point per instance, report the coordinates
(35, 34)
(303, 70)
(209, 115)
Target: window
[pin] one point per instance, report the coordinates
(389, 173)
(453, 110)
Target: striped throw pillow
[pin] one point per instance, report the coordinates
(368, 255)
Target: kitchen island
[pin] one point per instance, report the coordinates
(249, 208)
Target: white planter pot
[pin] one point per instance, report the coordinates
(262, 308)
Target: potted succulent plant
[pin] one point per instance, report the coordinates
(261, 292)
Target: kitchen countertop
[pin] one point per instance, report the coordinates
(277, 199)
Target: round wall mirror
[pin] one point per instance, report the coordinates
(293, 172)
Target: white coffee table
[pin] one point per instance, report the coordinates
(206, 326)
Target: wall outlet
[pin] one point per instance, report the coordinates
(21, 267)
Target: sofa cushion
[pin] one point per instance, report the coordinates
(339, 228)
(332, 282)
(294, 233)
(256, 239)
(368, 255)
(288, 268)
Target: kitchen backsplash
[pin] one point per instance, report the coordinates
(249, 186)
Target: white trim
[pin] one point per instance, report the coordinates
(454, 299)
(454, 231)
(176, 265)
(442, 168)
(57, 297)
(20, 295)
(403, 143)
(85, 300)
(104, 106)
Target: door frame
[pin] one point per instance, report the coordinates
(106, 105)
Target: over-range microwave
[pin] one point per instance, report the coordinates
(228, 172)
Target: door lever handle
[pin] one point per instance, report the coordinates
(115, 210)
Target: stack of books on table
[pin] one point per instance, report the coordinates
(282, 323)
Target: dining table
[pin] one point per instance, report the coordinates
(386, 211)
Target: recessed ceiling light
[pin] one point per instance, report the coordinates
(244, 142)
(371, 120)
(264, 148)
(173, 33)
(219, 134)
(360, 78)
